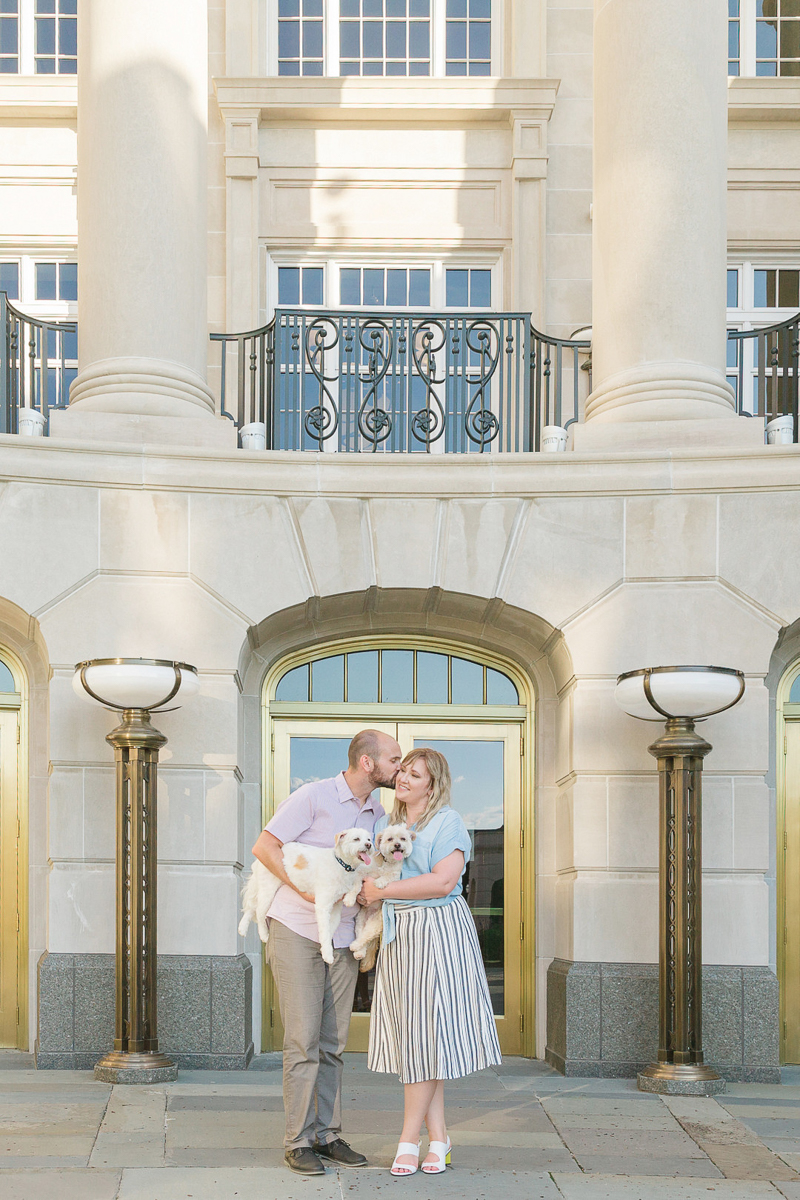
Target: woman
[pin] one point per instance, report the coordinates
(431, 1014)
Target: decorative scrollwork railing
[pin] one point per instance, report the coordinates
(371, 380)
(763, 369)
(39, 362)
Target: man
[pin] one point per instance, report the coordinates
(316, 1000)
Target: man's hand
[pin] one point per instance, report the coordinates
(269, 851)
(369, 893)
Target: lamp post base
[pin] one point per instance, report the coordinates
(120, 1066)
(672, 1079)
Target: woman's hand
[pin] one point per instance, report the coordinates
(370, 893)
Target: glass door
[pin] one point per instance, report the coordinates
(485, 764)
(10, 958)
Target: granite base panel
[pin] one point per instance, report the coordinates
(602, 1020)
(204, 1011)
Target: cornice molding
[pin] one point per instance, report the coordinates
(774, 100)
(37, 96)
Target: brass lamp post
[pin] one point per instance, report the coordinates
(136, 687)
(682, 695)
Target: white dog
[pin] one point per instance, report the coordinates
(394, 845)
(333, 876)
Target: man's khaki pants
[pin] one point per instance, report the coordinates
(316, 1001)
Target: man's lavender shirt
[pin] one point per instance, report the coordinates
(313, 815)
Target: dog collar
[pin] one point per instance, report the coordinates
(346, 866)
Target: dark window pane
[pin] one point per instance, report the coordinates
(293, 685)
(764, 292)
(288, 68)
(288, 285)
(373, 286)
(312, 8)
(45, 35)
(456, 68)
(372, 68)
(396, 67)
(456, 288)
(467, 682)
(766, 68)
(9, 280)
(9, 6)
(733, 289)
(420, 68)
(67, 36)
(288, 8)
(349, 8)
(790, 8)
(431, 678)
(788, 289)
(396, 288)
(790, 39)
(350, 285)
(794, 694)
(312, 68)
(8, 36)
(313, 758)
(480, 68)
(46, 281)
(790, 68)
(478, 39)
(480, 289)
(289, 39)
(349, 43)
(68, 66)
(395, 39)
(397, 676)
(45, 66)
(480, 8)
(362, 677)
(69, 344)
(456, 8)
(68, 281)
(419, 290)
(9, 66)
(6, 679)
(733, 8)
(766, 40)
(499, 688)
(312, 285)
(372, 35)
(419, 8)
(456, 40)
(733, 69)
(396, 8)
(312, 39)
(419, 40)
(732, 357)
(327, 680)
(68, 6)
(372, 8)
(733, 39)
(45, 6)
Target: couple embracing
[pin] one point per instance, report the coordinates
(431, 1014)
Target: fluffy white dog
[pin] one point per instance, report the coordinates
(332, 875)
(394, 845)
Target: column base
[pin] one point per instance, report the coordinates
(605, 437)
(77, 425)
(663, 391)
(145, 386)
(669, 1079)
(119, 1066)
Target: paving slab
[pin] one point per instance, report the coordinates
(209, 1130)
(641, 1164)
(748, 1162)
(612, 1187)
(656, 1121)
(56, 1119)
(603, 1105)
(204, 1103)
(636, 1142)
(790, 1190)
(59, 1185)
(40, 1145)
(774, 1126)
(127, 1150)
(782, 1145)
(226, 1183)
(455, 1184)
(219, 1156)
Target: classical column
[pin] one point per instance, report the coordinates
(142, 218)
(659, 211)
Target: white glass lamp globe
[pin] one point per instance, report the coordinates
(694, 692)
(149, 683)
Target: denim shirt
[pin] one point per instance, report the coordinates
(443, 834)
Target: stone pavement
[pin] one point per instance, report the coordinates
(520, 1132)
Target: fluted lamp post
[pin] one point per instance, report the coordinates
(681, 696)
(135, 687)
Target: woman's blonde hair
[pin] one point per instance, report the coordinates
(437, 768)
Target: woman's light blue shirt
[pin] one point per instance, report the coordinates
(443, 834)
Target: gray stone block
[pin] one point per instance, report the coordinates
(629, 1012)
(231, 1005)
(557, 1008)
(56, 1003)
(583, 1011)
(94, 1002)
(761, 1017)
(184, 1004)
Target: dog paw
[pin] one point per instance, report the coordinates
(358, 954)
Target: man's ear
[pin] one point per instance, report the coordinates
(367, 764)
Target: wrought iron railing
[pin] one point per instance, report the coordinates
(361, 380)
(39, 361)
(763, 370)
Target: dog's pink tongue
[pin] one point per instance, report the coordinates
(365, 858)
(398, 856)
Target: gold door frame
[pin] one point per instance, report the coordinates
(14, 854)
(449, 716)
(787, 841)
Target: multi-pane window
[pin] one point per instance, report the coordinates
(384, 37)
(300, 37)
(468, 287)
(468, 45)
(777, 37)
(300, 285)
(9, 37)
(758, 297)
(9, 279)
(56, 37)
(776, 288)
(394, 287)
(56, 281)
(734, 38)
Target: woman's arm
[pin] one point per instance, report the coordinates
(439, 883)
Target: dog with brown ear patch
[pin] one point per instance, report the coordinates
(393, 847)
(333, 876)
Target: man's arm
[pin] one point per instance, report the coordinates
(269, 851)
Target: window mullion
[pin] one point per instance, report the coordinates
(747, 38)
(332, 38)
(438, 11)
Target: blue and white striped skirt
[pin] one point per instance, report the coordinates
(431, 1013)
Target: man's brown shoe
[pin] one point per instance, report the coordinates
(339, 1152)
(304, 1161)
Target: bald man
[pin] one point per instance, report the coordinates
(316, 1000)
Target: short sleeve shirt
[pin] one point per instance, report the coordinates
(443, 834)
(313, 815)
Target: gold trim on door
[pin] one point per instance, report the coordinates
(788, 923)
(12, 876)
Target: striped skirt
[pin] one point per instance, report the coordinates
(431, 1013)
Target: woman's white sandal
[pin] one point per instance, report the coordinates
(400, 1169)
(442, 1152)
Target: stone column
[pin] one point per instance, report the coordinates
(142, 213)
(659, 211)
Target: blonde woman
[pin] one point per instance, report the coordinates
(431, 1013)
